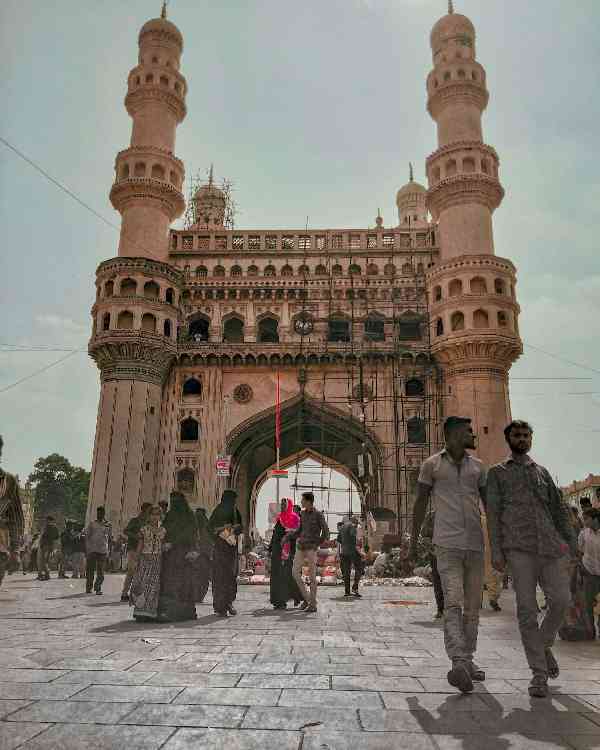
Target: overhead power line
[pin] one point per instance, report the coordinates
(37, 372)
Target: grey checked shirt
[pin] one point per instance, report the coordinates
(455, 492)
(525, 510)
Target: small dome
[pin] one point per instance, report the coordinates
(411, 188)
(209, 191)
(162, 26)
(451, 26)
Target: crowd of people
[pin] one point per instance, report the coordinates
(483, 526)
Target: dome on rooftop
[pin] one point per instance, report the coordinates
(451, 26)
(162, 26)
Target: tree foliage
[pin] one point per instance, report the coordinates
(59, 487)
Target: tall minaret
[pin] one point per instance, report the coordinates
(135, 315)
(474, 313)
(148, 176)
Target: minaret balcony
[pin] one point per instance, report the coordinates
(482, 351)
(132, 355)
(457, 91)
(137, 99)
(139, 191)
(149, 161)
(464, 189)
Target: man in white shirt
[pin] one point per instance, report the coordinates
(96, 547)
(456, 482)
(589, 546)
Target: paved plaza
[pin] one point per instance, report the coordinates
(76, 672)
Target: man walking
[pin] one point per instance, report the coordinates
(589, 547)
(96, 541)
(132, 534)
(310, 534)
(455, 481)
(350, 556)
(48, 539)
(530, 530)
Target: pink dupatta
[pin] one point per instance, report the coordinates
(290, 521)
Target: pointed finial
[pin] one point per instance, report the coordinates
(210, 176)
(450, 7)
(379, 219)
(163, 12)
(410, 171)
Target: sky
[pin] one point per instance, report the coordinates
(313, 110)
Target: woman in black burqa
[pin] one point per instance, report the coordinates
(225, 524)
(177, 594)
(202, 565)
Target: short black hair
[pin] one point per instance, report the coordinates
(452, 423)
(308, 496)
(517, 423)
(585, 502)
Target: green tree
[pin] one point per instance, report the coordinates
(59, 487)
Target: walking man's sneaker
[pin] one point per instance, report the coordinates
(553, 668)
(460, 678)
(495, 606)
(304, 605)
(311, 608)
(438, 615)
(355, 593)
(124, 597)
(538, 687)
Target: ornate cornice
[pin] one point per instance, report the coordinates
(469, 349)
(139, 190)
(461, 92)
(132, 355)
(109, 269)
(463, 189)
(150, 92)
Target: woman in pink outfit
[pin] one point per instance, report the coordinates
(283, 586)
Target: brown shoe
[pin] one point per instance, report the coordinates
(538, 687)
(460, 678)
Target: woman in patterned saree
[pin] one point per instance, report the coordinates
(145, 587)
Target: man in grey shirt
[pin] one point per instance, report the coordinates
(455, 481)
(529, 528)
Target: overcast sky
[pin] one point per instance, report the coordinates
(312, 109)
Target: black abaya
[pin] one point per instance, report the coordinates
(283, 585)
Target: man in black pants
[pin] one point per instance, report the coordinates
(427, 533)
(350, 556)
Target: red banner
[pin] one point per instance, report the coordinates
(278, 415)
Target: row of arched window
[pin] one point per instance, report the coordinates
(416, 432)
(157, 79)
(339, 328)
(125, 320)
(155, 59)
(480, 319)
(131, 288)
(456, 74)
(156, 171)
(372, 269)
(476, 285)
(466, 165)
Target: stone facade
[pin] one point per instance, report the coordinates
(376, 333)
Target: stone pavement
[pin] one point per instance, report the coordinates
(76, 671)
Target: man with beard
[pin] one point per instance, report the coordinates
(530, 530)
(455, 480)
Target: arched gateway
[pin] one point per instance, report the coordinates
(372, 333)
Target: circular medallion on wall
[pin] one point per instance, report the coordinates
(303, 324)
(243, 393)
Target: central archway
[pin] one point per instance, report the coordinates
(339, 440)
